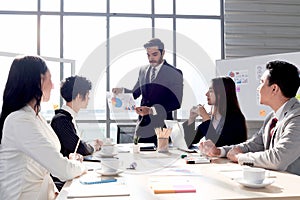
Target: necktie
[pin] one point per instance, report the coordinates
(153, 74)
(272, 126)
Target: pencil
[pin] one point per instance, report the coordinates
(77, 146)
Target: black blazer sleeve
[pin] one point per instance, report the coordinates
(193, 136)
(234, 131)
(68, 138)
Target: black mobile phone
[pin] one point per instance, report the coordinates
(148, 148)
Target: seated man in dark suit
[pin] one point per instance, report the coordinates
(161, 87)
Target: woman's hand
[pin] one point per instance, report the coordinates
(97, 144)
(203, 113)
(193, 114)
(76, 156)
(232, 154)
(209, 148)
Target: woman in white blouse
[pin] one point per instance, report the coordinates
(29, 149)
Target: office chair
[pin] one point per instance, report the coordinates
(125, 133)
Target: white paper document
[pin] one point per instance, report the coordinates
(121, 102)
(79, 190)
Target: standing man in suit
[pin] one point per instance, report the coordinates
(277, 145)
(161, 87)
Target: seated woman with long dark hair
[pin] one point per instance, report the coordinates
(226, 124)
(30, 149)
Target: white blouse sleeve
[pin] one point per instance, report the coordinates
(34, 139)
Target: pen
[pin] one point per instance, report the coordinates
(198, 161)
(78, 142)
(77, 146)
(98, 182)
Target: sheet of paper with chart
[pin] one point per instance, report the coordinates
(120, 103)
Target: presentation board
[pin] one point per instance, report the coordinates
(246, 73)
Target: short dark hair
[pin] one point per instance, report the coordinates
(23, 85)
(285, 75)
(74, 85)
(155, 42)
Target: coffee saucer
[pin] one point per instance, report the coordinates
(99, 171)
(104, 155)
(245, 183)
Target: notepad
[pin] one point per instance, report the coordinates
(162, 185)
(79, 190)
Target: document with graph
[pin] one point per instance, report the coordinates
(121, 102)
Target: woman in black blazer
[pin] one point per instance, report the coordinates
(226, 125)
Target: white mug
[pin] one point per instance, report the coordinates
(254, 175)
(107, 141)
(108, 149)
(110, 165)
(195, 109)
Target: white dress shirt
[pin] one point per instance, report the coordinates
(216, 120)
(73, 114)
(157, 68)
(29, 152)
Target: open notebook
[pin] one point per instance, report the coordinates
(177, 136)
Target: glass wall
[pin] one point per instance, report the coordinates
(105, 40)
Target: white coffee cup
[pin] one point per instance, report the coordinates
(254, 175)
(110, 165)
(107, 141)
(107, 149)
(195, 109)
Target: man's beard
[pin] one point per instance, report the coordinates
(154, 64)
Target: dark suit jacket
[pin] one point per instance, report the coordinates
(231, 130)
(66, 132)
(164, 93)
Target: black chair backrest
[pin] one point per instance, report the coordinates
(125, 133)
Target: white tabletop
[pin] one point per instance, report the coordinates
(211, 181)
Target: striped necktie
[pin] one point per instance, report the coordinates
(153, 74)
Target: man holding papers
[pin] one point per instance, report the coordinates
(277, 145)
(161, 87)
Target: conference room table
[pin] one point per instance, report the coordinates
(214, 180)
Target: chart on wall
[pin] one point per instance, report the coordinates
(246, 72)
